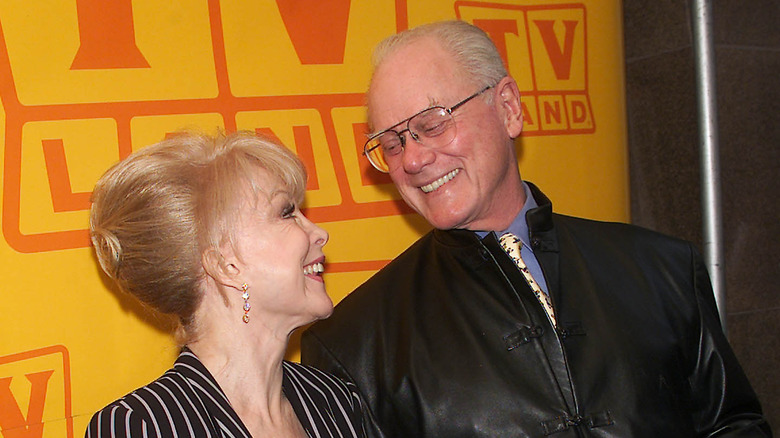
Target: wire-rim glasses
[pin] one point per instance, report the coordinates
(433, 127)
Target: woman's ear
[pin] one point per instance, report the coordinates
(510, 107)
(222, 266)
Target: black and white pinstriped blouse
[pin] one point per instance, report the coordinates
(186, 401)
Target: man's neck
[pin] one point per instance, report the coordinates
(515, 212)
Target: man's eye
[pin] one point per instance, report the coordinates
(391, 144)
(391, 148)
(434, 129)
(432, 125)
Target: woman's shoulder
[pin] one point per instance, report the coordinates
(121, 418)
(320, 387)
(307, 376)
(160, 408)
(310, 389)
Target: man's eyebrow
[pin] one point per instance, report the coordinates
(432, 102)
(375, 133)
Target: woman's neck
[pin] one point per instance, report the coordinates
(248, 369)
(250, 374)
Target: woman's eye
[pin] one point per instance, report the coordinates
(288, 212)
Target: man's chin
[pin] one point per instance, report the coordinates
(445, 221)
(440, 213)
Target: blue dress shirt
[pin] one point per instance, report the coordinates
(519, 227)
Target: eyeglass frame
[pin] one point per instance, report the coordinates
(412, 134)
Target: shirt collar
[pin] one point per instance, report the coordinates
(519, 226)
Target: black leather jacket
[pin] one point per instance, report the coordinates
(448, 340)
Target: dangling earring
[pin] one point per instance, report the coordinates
(247, 306)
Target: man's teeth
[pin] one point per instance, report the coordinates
(439, 182)
(314, 268)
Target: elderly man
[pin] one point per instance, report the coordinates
(508, 319)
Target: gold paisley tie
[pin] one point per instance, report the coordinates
(512, 245)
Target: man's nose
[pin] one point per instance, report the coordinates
(416, 155)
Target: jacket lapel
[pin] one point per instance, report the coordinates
(223, 420)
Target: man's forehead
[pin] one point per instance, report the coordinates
(387, 112)
(402, 87)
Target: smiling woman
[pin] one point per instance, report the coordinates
(278, 251)
(209, 229)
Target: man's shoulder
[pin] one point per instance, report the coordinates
(412, 262)
(407, 261)
(590, 230)
(377, 298)
(591, 233)
(583, 225)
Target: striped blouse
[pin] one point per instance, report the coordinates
(186, 401)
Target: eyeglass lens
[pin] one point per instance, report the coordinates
(432, 128)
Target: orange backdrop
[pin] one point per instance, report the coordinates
(83, 83)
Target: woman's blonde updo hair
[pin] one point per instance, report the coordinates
(155, 213)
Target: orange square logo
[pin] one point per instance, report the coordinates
(35, 394)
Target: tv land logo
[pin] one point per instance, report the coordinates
(100, 86)
(35, 394)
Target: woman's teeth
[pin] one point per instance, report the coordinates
(439, 182)
(314, 268)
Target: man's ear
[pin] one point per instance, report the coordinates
(222, 266)
(510, 108)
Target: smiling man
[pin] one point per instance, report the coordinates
(471, 182)
(508, 319)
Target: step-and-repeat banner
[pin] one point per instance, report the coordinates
(83, 83)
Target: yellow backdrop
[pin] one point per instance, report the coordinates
(83, 83)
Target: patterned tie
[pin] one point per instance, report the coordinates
(512, 245)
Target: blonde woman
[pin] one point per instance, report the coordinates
(209, 229)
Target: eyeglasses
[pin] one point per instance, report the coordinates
(433, 127)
